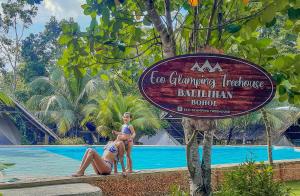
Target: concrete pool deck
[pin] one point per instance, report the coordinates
(78, 189)
(152, 182)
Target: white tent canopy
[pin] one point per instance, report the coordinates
(160, 138)
(9, 133)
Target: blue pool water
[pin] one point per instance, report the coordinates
(64, 160)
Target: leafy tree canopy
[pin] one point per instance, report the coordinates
(40, 51)
(123, 32)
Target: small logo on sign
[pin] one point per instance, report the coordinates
(179, 109)
(206, 67)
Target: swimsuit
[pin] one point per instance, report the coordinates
(109, 164)
(111, 148)
(114, 150)
(126, 130)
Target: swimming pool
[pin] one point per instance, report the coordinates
(43, 161)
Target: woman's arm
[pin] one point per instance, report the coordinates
(116, 132)
(132, 132)
(115, 167)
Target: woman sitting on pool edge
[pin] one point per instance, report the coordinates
(127, 135)
(113, 151)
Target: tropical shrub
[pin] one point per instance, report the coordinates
(175, 190)
(60, 100)
(70, 141)
(252, 179)
(109, 108)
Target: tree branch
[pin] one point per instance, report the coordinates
(145, 42)
(120, 60)
(166, 38)
(155, 18)
(228, 22)
(190, 141)
(136, 56)
(213, 11)
(168, 16)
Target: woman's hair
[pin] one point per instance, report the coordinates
(127, 113)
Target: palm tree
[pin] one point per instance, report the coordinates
(107, 111)
(275, 118)
(238, 123)
(61, 100)
(272, 116)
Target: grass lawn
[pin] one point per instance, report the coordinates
(295, 187)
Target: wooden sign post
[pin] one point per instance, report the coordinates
(204, 87)
(207, 86)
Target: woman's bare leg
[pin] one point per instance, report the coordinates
(84, 156)
(100, 164)
(95, 168)
(93, 164)
(97, 162)
(128, 157)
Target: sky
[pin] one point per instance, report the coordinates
(61, 9)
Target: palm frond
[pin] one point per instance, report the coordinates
(43, 85)
(112, 107)
(34, 102)
(4, 99)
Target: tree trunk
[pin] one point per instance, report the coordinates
(200, 174)
(206, 160)
(192, 155)
(268, 132)
(14, 79)
(229, 136)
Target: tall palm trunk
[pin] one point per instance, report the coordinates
(268, 132)
(229, 136)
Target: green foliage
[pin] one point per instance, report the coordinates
(270, 40)
(294, 14)
(109, 108)
(175, 190)
(70, 141)
(25, 141)
(19, 10)
(252, 179)
(39, 51)
(279, 114)
(233, 28)
(15, 17)
(27, 137)
(61, 100)
(265, 32)
(4, 99)
(294, 186)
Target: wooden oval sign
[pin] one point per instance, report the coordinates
(207, 86)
